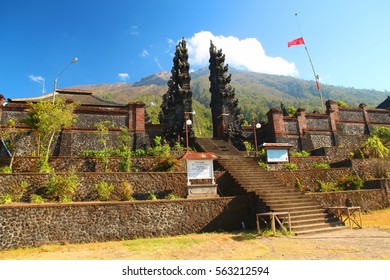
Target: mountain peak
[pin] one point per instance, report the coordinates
(159, 79)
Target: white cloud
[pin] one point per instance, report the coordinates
(123, 76)
(37, 79)
(246, 54)
(158, 63)
(134, 31)
(144, 53)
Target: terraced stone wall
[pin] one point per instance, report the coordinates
(36, 225)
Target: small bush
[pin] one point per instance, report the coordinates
(152, 196)
(34, 198)
(172, 196)
(350, 183)
(317, 165)
(5, 169)
(341, 103)
(126, 191)
(291, 166)
(298, 184)
(138, 153)
(374, 148)
(104, 190)
(327, 186)
(62, 187)
(263, 165)
(302, 153)
(43, 165)
(6, 199)
(166, 164)
(18, 190)
(248, 147)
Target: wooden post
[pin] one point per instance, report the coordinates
(272, 216)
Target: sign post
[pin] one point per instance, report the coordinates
(200, 175)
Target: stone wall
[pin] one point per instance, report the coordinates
(310, 131)
(143, 183)
(368, 200)
(82, 164)
(81, 136)
(37, 225)
(308, 177)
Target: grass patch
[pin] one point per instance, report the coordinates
(379, 218)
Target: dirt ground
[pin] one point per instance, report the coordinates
(347, 244)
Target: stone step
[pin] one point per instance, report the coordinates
(295, 222)
(314, 226)
(294, 213)
(292, 204)
(319, 230)
(292, 208)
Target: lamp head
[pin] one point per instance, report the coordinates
(75, 59)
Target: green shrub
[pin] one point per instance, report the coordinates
(6, 199)
(104, 190)
(34, 198)
(138, 153)
(5, 169)
(327, 186)
(341, 103)
(317, 165)
(43, 165)
(350, 182)
(298, 184)
(152, 196)
(172, 196)
(291, 166)
(62, 187)
(248, 147)
(373, 147)
(263, 165)
(302, 153)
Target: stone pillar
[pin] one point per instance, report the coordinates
(332, 109)
(130, 109)
(302, 121)
(2, 99)
(275, 118)
(366, 118)
(139, 125)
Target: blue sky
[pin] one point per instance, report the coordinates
(124, 40)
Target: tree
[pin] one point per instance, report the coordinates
(10, 135)
(47, 119)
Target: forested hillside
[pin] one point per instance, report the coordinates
(257, 94)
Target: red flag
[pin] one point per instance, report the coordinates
(298, 41)
(318, 85)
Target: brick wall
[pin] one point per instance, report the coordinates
(36, 225)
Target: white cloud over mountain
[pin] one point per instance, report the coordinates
(123, 76)
(246, 54)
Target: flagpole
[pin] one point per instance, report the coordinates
(316, 77)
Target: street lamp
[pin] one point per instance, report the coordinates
(75, 59)
(255, 126)
(187, 123)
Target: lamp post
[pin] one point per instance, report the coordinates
(75, 59)
(255, 126)
(187, 123)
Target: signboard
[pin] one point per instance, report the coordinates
(277, 155)
(199, 169)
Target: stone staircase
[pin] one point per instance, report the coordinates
(307, 216)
